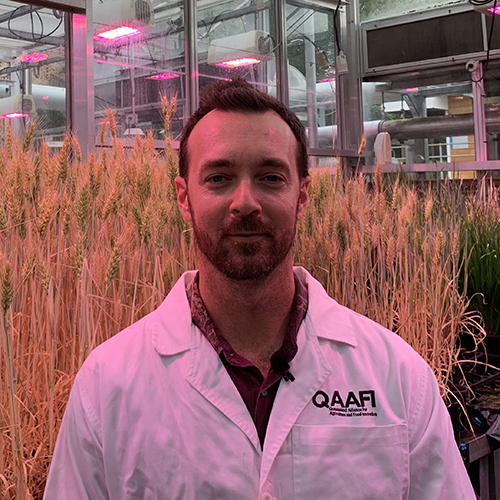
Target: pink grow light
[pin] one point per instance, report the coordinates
(496, 10)
(33, 57)
(243, 61)
(118, 33)
(327, 80)
(14, 115)
(163, 76)
(413, 89)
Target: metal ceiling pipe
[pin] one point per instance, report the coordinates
(437, 126)
(327, 135)
(416, 128)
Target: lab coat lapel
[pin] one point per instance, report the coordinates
(209, 377)
(311, 370)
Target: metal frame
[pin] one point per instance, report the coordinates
(191, 55)
(80, 79)
(426, 64)
(435, 167)
(282, 91)
(349, 105)
(75, 6)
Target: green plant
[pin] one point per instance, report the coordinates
(481, 276)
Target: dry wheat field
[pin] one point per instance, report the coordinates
(88, 248)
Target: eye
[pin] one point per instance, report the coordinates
(272, 179)
(217, 179)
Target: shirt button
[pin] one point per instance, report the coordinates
(267, 496)
(264, 393)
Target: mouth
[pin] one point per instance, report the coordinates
(246, 235)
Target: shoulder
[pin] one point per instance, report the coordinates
(331, 321)
(362, 352)
(165, 330)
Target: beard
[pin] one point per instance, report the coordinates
(244, 261)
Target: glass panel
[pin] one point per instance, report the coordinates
(139, 57)
(369, 10)
(311, 73)
(416, 119)
(236, 38)
(32, 69)
(492, 110)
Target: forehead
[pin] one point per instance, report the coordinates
(223, 129)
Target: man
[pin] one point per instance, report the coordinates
(249, 382)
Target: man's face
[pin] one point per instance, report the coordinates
(243, 194)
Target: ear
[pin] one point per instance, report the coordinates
(182, 198)
(303, 197)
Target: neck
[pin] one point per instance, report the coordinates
(252, 316)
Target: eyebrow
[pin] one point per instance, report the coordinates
(215, 164)
(263, 163)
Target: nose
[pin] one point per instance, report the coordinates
(245, 200)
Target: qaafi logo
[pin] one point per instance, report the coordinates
(352, 404)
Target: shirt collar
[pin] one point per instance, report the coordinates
(201, 318)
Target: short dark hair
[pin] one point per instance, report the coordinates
(240, 96)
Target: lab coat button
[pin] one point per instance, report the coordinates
(267, 496)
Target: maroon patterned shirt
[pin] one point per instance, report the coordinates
(258, 392)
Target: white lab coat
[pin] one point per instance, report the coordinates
(153, 414)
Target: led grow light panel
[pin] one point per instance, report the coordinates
(117, 33)
(163, 76)
(242, 61)
(14, 115)
(33, 57)
(242, 49)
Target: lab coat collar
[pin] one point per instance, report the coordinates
(329, 319)
(173, 319)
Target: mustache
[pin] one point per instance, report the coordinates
(247, 224)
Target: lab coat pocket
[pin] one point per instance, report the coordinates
(350, 463)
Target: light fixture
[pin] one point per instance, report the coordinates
(17, 106)
(14, 115)
(33, 57)
(134, 131)
(242, 61)
(117, 33)
(241, 49)
(163, 76)
(488, 8)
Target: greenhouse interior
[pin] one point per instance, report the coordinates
(401, 106)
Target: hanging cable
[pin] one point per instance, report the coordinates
(34, 37)
(489, 39)
(336, 27)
